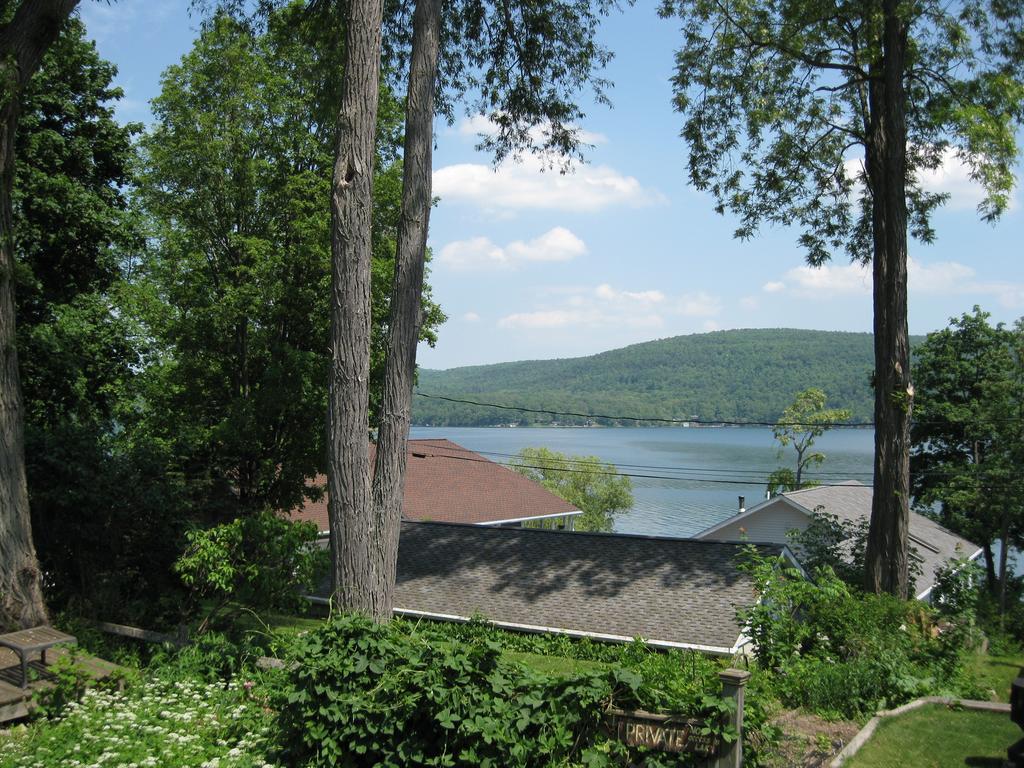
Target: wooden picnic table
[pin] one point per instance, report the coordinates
(29, 641)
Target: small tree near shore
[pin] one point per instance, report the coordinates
(593, 486)
(803, 422)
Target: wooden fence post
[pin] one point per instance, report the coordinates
(733, 683)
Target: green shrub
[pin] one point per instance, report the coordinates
(834, 650)
(262, 561)
(360, 694)
(671, 681)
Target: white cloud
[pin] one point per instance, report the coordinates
(526, 184)
(828, 280)
(557, 244)
(476, 252)
(471, 317)
(750, 303)
(698, 305)
(942, 278)
(711, 325)
(607, 293)
(481, 126)
(951, 177)
(606, 307)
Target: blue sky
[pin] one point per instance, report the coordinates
(531, 264)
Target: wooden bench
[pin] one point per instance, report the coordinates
(35, 640)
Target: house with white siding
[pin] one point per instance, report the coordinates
(771, 520)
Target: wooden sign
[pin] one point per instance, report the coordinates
(663, 733)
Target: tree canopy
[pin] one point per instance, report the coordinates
(595, 487)
(235, 286)
(803, 421)
(968, 431)
(824, 114)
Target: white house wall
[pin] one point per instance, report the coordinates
(768, 524)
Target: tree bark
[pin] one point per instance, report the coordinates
(1004, 547)
(23, 41)
(886, 558)
(407, 293)
(359, 580)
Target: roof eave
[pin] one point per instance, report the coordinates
(577, 633)
(570, 513)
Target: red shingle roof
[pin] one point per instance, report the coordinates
(448, 483)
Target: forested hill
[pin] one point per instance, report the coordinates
(748, 375)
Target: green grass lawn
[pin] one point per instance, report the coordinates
(939, 737)
(996, 673)
(559, 666)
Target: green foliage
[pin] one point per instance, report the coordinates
(803, 421)
(671, 681)
(364, 694)
(166, 722)
(235, 288)
(586, 482)
(828, 542)
(263, 561)
(775, 95)
(968, 430)
(736, 375)
(70, 681)
(79, 348)
(840, 652)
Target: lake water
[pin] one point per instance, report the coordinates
(684, 479)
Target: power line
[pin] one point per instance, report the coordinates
(654, 419)
(704, 422)
(677, 478)
(736, 474)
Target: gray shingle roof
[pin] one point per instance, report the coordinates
(851, 501)
(666, 590)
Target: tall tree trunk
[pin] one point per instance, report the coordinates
(406, 298)
(23, 41)
(886, 558)
(359, 580)
(1004, 549)
(990, 568)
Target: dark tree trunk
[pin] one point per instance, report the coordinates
(23, 41)
(406, 297)
(886, 558)
(990, 568)
(1004, 549)
(359, 578)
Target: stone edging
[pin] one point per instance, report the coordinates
(865, 733)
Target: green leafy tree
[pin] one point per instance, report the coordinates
(27, 31)
(803, 422)
(79, 347)
(235, 288)
(261, 562)
(968, 433)
(524, 64)
(594, 487)
(778, 97)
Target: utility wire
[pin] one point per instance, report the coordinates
(736, 474)
(657, 420)
(567, 470)
(705, 422)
